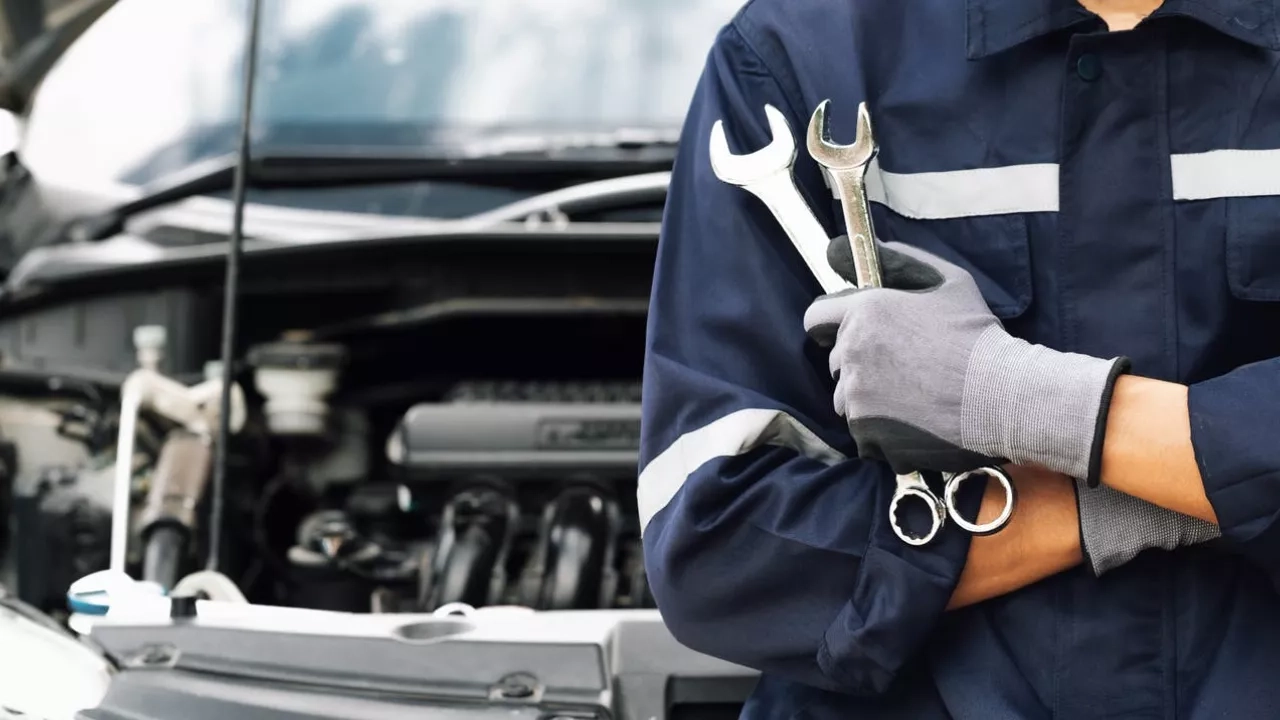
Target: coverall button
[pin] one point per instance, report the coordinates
(1089, 67)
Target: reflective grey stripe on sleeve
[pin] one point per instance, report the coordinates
(965, 193)
(1225, 174)
(735, 434)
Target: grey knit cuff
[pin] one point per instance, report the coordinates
(1115, 527)
(1030, 404)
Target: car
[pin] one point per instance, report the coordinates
(419, 488)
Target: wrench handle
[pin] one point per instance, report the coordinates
(779, 193)
(851, 186)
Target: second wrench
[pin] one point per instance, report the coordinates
(846, 170)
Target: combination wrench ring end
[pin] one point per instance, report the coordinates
(937, 515)
(1010, 500)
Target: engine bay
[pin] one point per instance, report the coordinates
(407, 438)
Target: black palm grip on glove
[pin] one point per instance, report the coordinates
(889, 440)
(900, 271)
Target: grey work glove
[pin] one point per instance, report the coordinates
(1115, 527)
(928, 379)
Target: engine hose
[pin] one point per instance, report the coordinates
(162, 557)
(169, 516)
(477, 528)
(579, 551)
(467, 574)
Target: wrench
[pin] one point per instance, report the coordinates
(846, 170)
(767, 174)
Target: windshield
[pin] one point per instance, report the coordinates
(153, 86)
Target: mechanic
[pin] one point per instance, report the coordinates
(1078, 212)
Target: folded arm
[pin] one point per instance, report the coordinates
(1209, 450)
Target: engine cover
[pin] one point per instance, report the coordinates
(536, 436)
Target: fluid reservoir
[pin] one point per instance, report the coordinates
(296, 378)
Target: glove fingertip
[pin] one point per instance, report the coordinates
(825, 311)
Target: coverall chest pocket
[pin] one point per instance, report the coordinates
(1253, 247)
(993, 248)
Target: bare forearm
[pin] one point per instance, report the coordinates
(1147, 451)
(1041, 539)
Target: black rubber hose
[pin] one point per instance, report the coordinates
(470, 567)
(162, 558)
(580, 547)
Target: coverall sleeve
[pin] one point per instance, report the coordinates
(1235, 424)
(766, 540)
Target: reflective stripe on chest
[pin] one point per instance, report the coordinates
(1033, 188)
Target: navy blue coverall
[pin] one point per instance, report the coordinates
(1112, 194)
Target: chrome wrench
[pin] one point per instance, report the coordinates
(767, 174)
(846, 170)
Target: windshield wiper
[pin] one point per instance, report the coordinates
(553, 163)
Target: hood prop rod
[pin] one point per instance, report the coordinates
(231, 289)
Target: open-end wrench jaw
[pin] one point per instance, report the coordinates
(833, 155)
(743, 170)
(767, 174)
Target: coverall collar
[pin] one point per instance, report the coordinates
(997, 25)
